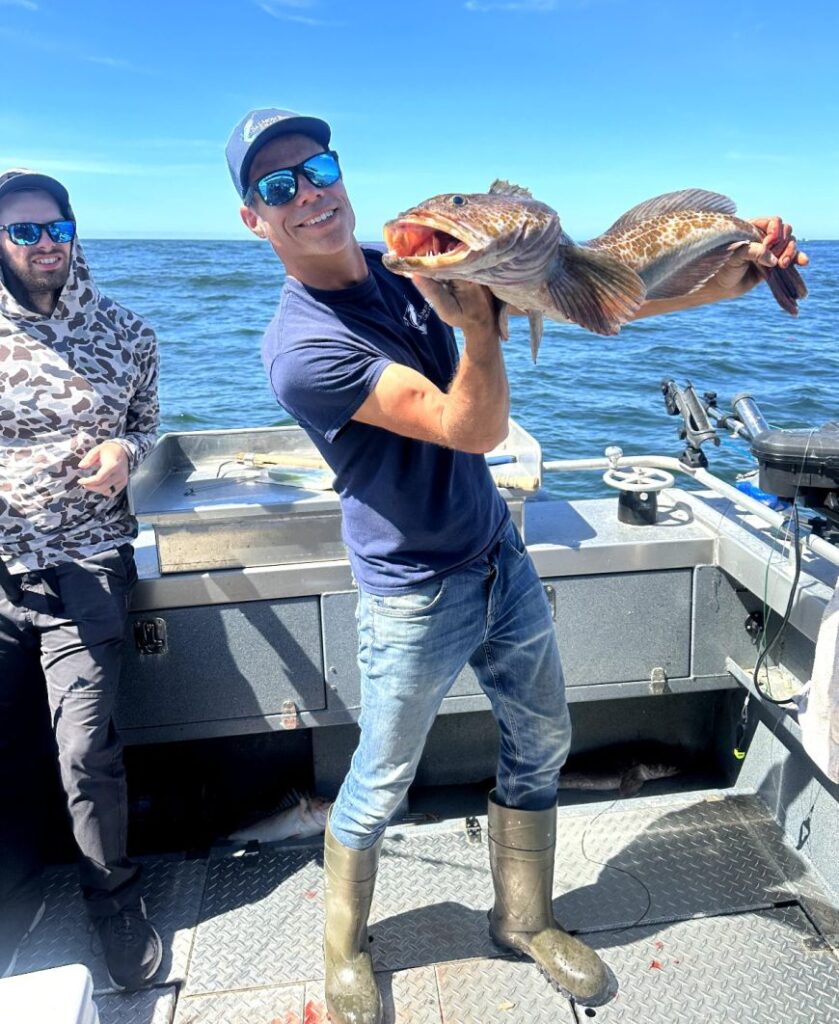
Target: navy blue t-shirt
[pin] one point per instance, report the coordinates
(412, 510)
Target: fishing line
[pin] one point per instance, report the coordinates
(796, 540)
(612, 867)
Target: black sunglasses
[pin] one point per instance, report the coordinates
(29, 233)
(280, 186)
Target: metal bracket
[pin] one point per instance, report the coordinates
(550, 593)
(289, 715)
(658, 682)
(150, 636)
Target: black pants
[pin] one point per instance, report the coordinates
(66, 638)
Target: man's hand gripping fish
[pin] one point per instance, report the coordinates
(664, 248)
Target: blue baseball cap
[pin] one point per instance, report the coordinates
(260, 126)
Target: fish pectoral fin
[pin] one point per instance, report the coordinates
(594, 290)
(537, 325)
(689, 277)
(632, 781)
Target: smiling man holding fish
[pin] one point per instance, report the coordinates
(366, 361)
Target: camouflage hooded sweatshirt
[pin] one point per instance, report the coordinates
(85, 374)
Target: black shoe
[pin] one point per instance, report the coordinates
(132, 947)
(19, 920)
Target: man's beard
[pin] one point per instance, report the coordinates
(26, 283)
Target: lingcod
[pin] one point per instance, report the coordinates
(663, 248)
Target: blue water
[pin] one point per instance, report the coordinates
(210, 302)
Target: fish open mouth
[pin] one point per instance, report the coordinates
(407, 240)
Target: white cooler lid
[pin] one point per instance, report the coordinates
(60, 995)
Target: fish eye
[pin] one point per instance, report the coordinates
(458, 201)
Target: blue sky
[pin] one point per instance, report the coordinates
(593, 104)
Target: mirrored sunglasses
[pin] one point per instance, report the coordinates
(29, 233)
(280, 186)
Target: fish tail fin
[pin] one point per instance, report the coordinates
(593, 289)
(787, 285)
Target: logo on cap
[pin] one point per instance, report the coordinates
(252, 127)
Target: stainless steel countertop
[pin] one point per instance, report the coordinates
(565, 538)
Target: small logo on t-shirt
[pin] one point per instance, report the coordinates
(411, 318)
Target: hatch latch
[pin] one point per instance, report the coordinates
(150, 636)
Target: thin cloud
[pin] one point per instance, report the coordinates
(110, 62)
(83, 165)
(536, 6)
(27, 5)
(45, 45)
(287, 10)
(167, 142)
(738, 156)
(119, 64)
(275, 7)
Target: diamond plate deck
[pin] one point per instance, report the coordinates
(251, 1006)
(153, 1006)
(755, 968)
(262, 920)
(172, 891)
(701, 907)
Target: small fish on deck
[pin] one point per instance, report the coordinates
(663, 248)
(627, 780)
(307, 817)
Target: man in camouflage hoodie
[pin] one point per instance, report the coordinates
(78, 411)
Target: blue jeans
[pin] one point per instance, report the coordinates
(494, 615)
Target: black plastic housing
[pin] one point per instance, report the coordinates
(792, 461)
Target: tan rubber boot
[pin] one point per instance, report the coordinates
(521, 855)
(352, 995)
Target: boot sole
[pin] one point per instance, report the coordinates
(600, 998)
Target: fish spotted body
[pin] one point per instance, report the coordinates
(664, 248)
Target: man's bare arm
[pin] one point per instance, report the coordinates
(472, 415)
(740, 274)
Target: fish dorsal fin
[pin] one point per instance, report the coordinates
(672, 202)
(500, 187)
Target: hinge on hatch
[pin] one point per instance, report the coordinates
(658, 681)
(289, 715)
(150, 636)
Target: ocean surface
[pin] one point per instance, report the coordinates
(211, 301)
